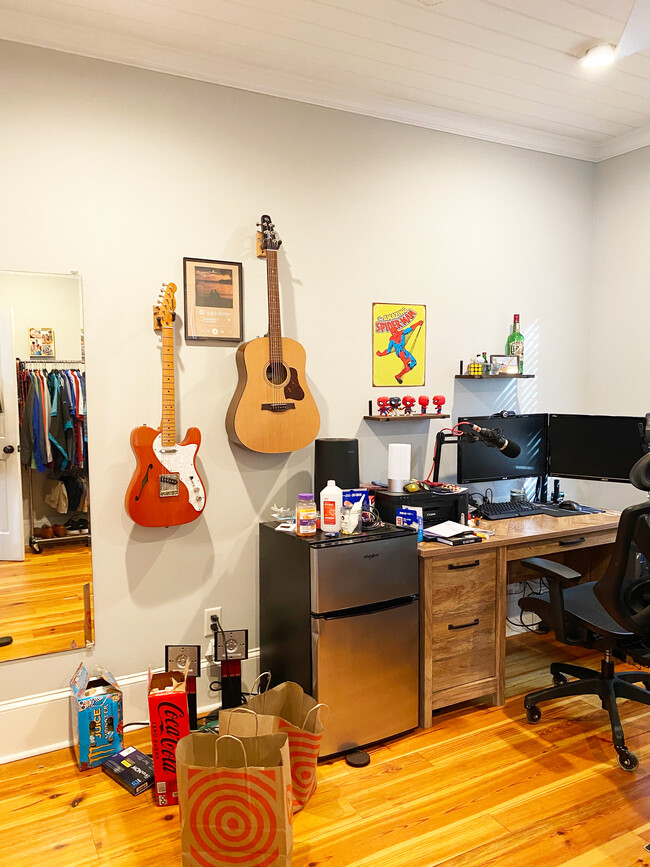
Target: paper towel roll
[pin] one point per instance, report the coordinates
(399, 466)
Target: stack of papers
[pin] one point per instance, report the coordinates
(450, 533)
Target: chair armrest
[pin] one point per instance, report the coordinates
(559, 576)
(551, 569)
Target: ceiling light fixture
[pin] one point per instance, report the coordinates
(600, 55)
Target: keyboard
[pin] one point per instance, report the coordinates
(499, 511)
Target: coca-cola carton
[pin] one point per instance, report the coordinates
(170, 721)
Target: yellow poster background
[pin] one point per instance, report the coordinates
(398, 344)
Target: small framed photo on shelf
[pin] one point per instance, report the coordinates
(41, 343)
(213, 300)
(505, 364)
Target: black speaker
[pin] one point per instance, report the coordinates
(336, 459)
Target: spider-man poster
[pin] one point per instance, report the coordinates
(398, 344)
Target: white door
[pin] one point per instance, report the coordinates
(12, 541)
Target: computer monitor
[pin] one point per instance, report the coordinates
(599, 447)
(478, 462)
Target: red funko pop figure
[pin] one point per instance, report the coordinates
(423, 400)
(408, 403)
(438, 401)
(383, 405)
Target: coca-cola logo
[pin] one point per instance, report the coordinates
(169, 734)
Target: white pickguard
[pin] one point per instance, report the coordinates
(180, 459)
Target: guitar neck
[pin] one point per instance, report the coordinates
(273, 290)
(168, 426)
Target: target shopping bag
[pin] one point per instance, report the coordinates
(235, 800)
(285, 708)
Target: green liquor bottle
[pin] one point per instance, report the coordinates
(515, 343)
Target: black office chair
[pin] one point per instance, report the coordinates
(611, 614)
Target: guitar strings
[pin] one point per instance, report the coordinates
(274, 326)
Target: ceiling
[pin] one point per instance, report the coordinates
(501, 70)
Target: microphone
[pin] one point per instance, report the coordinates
(494, 439)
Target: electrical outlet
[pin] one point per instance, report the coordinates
(207, 620)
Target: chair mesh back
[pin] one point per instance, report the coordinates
(624, 589)
(635, 587)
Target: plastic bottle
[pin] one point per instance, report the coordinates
(331, 500)
(305, 515)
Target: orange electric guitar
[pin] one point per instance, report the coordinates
(272, 409)
(166, 489)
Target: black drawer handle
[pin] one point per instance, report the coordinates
(463, 565)
(463, 625)
(571, 541)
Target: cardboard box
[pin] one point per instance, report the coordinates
(130, 768)
(96, 706)
(170, 721)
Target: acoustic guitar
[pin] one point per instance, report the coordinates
(166, 489)
(272, 409)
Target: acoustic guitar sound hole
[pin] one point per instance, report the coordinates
(276, 374)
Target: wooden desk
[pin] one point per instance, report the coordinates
(463, 599)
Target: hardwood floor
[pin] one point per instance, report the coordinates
(480, 788)
(42, 600)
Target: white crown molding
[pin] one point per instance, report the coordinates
(284, 86)
(623, 144)
(278, 84)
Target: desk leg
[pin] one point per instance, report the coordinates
(426, 650)
(500, 616)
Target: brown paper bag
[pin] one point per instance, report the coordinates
(285, 708)
(235, 800)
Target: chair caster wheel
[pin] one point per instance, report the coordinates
(533, 714)
(627, 760)
(559, 679)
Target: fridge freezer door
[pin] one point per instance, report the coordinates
(366, 670)
(361, 572)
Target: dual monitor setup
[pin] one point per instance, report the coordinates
(592, 447)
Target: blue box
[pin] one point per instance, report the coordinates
(96, 706)
(411, 516)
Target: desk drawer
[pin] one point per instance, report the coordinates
(571, 542)
(461, 632)
(464, 645)
(462, 580)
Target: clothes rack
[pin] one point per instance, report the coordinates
(53, 436)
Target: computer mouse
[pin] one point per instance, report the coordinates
(570, 506)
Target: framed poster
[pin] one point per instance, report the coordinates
(398, 344)
(213, 300)
(41, 343)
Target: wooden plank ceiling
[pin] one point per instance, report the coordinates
(502, 70)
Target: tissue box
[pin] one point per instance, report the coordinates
(170, 721)
(96, 706)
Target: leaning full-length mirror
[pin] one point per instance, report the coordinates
(45, 551)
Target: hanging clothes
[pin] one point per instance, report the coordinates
(52, 412)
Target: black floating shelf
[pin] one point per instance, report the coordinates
(497, 376)
(416, 416)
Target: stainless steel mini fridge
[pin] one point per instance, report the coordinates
(340, 617)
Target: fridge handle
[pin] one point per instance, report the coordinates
(367, 609)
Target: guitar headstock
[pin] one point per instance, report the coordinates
(270, 240)
(164, 312)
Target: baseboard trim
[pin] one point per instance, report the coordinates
(40, 723)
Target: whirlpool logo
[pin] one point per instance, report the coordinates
(370, 556)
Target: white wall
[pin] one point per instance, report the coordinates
(44, 300)
(618, 351)
(119, 173)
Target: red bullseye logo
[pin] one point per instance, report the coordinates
(234, 820)
(303, 749)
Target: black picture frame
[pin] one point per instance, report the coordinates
(214, 300)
